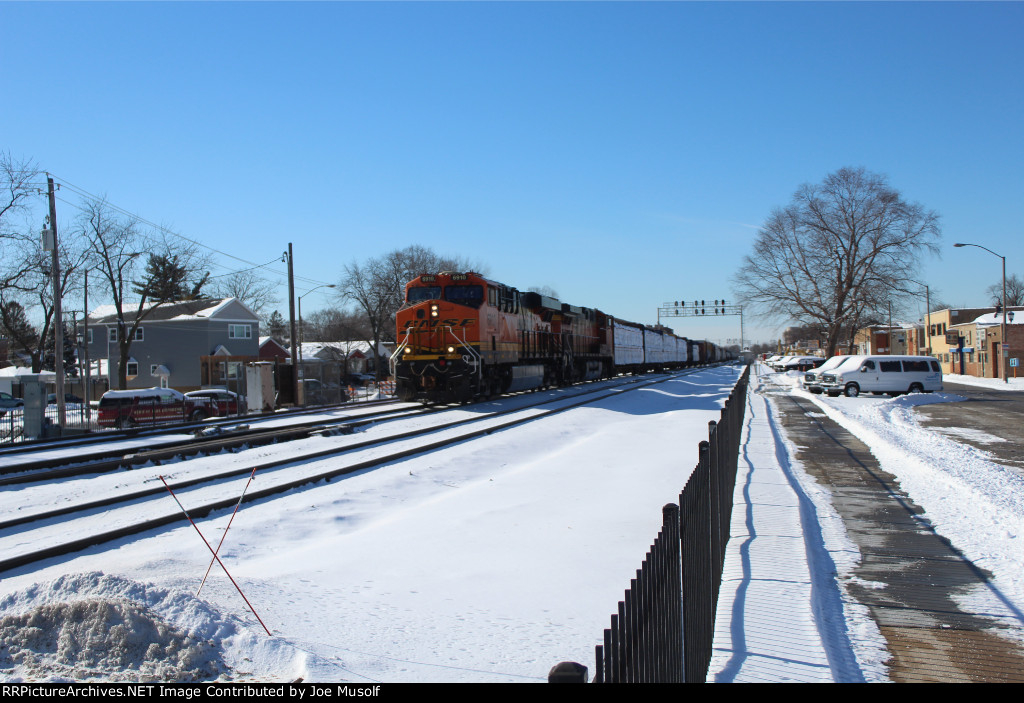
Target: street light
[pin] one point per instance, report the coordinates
(1003, 342)
(302, 393)
(928, 313)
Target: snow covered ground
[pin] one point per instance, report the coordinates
(497, 558)
(490, 561)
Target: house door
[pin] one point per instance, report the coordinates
(995, 360)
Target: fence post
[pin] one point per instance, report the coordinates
(674, 662)
(567, 672)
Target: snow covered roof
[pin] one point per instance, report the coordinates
(176, 311)
(338, 350)
(990, 318)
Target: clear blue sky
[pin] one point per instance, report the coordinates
(622, 153)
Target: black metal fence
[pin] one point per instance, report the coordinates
(663, 630)
(76, 418)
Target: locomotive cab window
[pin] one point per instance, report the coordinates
(464, 295)
(421, 293)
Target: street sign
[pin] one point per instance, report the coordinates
(1013, 362)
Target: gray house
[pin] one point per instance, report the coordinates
(172, 338)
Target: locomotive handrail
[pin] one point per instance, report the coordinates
(478, 358)
(392, 363)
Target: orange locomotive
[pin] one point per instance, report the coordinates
(462, 336)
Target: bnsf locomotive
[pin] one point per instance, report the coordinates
(462, 336)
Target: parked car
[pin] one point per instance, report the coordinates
(51, 399)
(211, 402)
(315, 392)
(812, 378)
(802, 363)
(146, 406)
(9, 402)
(778, 363)
(360, 379)
(883, 374)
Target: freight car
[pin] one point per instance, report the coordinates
(461, 336)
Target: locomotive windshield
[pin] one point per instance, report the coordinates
(421, 293)
(465, 295)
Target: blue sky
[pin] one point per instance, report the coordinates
(623, 154)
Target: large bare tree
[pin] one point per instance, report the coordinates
(837, 253)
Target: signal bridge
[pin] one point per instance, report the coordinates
(701, 308)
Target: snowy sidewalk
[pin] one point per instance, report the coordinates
(780, 612)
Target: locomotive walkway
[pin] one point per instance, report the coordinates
(909, 578)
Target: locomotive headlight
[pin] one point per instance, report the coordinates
(451, 350)
(433, 311)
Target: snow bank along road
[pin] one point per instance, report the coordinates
(923, 531)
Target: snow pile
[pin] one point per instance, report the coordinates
(973, 501)
(88, 627)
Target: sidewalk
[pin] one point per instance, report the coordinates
(812, 503)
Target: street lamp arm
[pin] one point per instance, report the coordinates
(963, 244)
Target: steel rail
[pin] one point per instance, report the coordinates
(101, 436)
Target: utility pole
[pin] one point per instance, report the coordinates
(85, 352)
(291, 317)
(58, 319)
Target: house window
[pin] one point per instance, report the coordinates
(153, 368)
(111, 334)
(239, 331)
(88, 337)
(138, 334)
(133, 368)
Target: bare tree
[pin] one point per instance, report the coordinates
(26, 286)
(19, 182)
(28, 282)
(1014, 291)
(257, 293)
(834, 255)
(117, 243)
(335, 326)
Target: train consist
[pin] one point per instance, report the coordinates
(461, 336)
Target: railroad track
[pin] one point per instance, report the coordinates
(202, 443)
(22, 452)
(38, 535)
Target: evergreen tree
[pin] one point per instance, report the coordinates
(277, 327)
(15, 326)
(70, 358)
(166, 280)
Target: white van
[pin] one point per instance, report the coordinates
(812, 378)
(883, 374)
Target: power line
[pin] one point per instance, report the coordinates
(253, 265)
